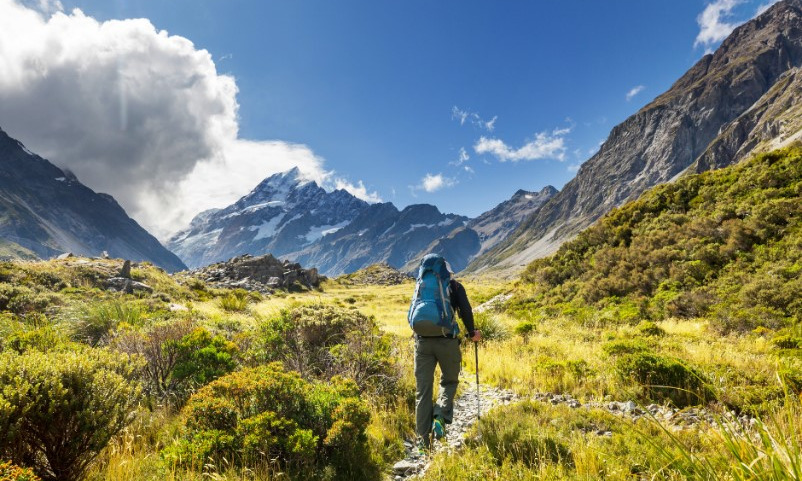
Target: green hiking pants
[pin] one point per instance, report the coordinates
(429, 352)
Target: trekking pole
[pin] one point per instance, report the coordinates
(478, 396)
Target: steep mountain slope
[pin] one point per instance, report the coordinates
(47, 211)
(725, 245)
(667, 136)
(282, 214)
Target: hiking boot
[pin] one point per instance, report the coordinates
(438, 428)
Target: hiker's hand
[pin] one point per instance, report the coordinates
(477, 336)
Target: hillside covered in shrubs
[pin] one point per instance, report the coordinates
(724, 245)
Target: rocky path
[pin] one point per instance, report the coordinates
(465, 415)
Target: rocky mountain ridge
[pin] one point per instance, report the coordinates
(728, 104)
(294, 218)
(47, 211)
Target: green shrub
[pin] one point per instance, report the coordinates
(525, 329)
(44, 339)
(624, 346)
(11, 472)
(787, 341)
(492, 328)
(180, 357)
(648, 328)
(320, 341)
(58, 410)
(235, 301)
(266, 415)
(664, 379)
(23, 300)
(97, 320)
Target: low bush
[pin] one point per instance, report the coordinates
(58, 410)
(236, 300)
(95, 321)
(649, 328)
(663, 378)
(525, 329)
(266, 415)
(180, 357)
(492, 328)
(320, 341)
(624, 346)
(787, 341)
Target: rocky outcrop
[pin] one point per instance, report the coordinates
(667, 136)
(263, 274)
(47, 211)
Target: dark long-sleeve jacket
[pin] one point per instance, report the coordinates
(459, 301)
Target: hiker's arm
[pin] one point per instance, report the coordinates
(459, 299)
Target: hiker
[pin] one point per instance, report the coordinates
(437, 339)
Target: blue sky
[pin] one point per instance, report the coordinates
(457, 103)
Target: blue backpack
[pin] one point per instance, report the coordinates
(430, 313)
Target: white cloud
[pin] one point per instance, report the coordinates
(713, 26)
(469, 170)
(462, 157)
(358, 190)
(460, 115)
(546, 145)
(634, 91)
(134, 112)
(573, 168)
(474, 118)
(434, 182)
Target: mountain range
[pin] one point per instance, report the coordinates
(292, 217)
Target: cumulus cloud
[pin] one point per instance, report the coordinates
(473, 118)
(358, 190)
(713, 24)
(634, 91)
(133, 111)
(545, 145)
(434, 182)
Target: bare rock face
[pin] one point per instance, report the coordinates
(736, 90)
(47, 211)
(263, 274)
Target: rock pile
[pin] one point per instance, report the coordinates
(263, 274)
(382, 274)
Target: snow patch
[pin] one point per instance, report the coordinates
(316, 232)
(25, 149)
(267, 229)
(61, 179)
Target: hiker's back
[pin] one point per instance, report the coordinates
(430, 312)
